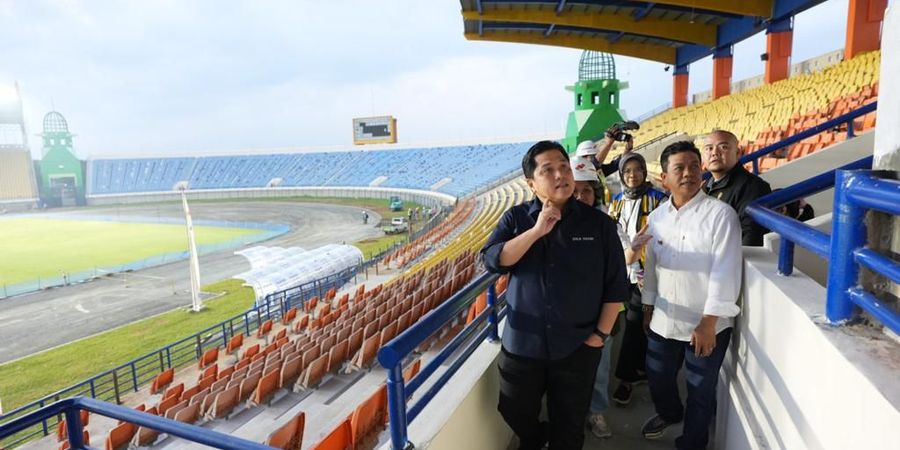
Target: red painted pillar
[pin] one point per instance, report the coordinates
(864, 18)
(722, 59)
(680, 87)
(778, 50)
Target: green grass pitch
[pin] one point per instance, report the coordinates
(35, 247)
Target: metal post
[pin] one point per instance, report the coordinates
(756, 166)
(116, 387)
(397, 409)
(492, 316)
(850, 133)
(74, 428)
(786, 257)
(848, 233)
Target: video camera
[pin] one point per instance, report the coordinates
(618, 130)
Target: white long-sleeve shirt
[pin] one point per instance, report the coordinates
(693, 266)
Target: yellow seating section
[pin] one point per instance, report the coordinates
(755, 112)
(15, 176)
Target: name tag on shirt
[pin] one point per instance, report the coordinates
(582, 238)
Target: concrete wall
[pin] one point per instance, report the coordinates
(464, 414)
(789, 381)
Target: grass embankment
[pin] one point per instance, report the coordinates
(35, 248)
(30, 378)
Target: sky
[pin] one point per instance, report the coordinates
(172, 77)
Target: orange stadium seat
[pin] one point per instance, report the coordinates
(234, 344)
(249, 385)
(189, 414)
(162, 380)
(313, 374)
(120, 436)
(164, 405)
(264, 329)
(289, 316)
(266, 387)
(251, 351)
(225, 373)
(410, 372)
(337, 355)
(174, 391)
(224, 403)
(290, 370)
(210, 357)
(340, 438)
(208, 400)
(290, 435)
(144, 437)
(171, 412)
(301, 324)
(369, 417)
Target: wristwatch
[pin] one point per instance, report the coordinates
(602, 335)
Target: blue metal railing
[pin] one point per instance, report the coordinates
(113, 384)
(392, 355)
(71, 409)
(809, 132)
(856, 191)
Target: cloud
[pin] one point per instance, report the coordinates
(168, 76)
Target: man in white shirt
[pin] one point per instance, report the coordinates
(691, 285)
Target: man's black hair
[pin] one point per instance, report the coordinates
(528, 161)
(675, 148)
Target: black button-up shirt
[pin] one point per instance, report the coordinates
(557, 289)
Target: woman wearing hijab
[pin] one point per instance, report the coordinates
(631, 208)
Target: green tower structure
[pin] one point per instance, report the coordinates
(61, 172)
(596, 99)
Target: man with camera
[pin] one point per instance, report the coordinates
(597, 152)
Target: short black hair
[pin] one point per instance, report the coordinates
(528, 161)
(675, 148)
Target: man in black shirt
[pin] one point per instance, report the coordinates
(733, 184)
(567, 282)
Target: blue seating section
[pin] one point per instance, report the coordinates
(469, 168)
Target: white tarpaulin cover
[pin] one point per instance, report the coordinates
(274, 269)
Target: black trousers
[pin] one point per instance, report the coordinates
(633, 354)
(566, 382)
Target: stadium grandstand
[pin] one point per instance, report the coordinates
(408, 358)
(18, 187)
(471, 166)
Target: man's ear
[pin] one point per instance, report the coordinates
(662, 179)
(530, 182)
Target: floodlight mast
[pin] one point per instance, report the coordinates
(196, 304)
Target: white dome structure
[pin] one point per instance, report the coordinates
(275, 269)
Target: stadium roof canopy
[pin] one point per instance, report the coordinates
(676, 32)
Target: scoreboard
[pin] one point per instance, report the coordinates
(375, 130)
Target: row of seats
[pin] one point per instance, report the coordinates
(493, 205)
(462, 169)
(433, 238)
(800, 122)
(788, 106)
(330, 335)
(16, 176)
